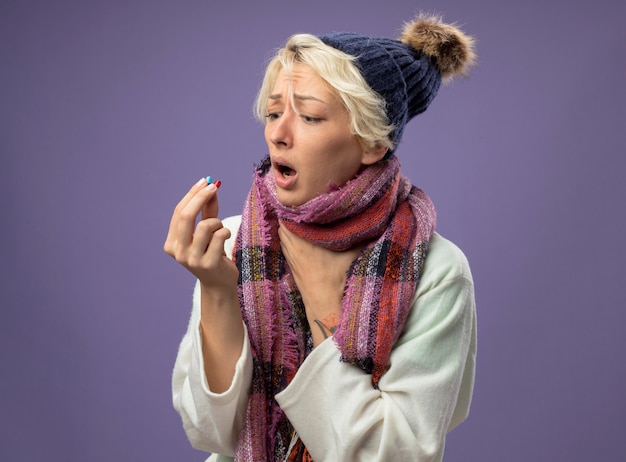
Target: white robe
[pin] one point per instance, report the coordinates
(332, 405)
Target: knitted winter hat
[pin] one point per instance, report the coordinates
(408, 72)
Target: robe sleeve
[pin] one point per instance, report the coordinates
(212, 421)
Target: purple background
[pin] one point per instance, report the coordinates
(109, 112)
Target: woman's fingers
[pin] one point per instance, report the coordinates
(196, 237)
(180, 206)
(206, 235)
(207, 259)
(191, 210)
(211, 208)
(215, 248)
(315, 266)
(201, 197)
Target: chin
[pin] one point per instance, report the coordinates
(289, 199)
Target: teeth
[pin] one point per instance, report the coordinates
(285, 171)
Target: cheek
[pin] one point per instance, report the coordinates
(338, 170)
(348, 154)
(266, 134)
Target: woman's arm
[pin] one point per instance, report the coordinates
(213, 367)
(212, 421)
(199, 247)
(425, 392)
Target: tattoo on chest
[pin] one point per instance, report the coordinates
(326, 330)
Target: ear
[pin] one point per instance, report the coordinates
(372, 156)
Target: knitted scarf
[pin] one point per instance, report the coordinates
(379, 209)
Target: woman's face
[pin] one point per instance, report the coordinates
(312, 150)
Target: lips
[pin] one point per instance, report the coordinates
(284, 174)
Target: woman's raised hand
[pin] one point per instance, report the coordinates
(198, 245)
(320, 275)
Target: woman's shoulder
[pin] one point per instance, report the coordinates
(444, 261)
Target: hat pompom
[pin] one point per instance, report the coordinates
(452, 49)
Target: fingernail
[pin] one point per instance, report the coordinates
(211, 187)
(200, 182)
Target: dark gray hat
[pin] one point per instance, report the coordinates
(408, 72)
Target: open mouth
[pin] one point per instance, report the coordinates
(285, 170)
(285, 175)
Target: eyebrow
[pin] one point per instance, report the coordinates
(278, 96)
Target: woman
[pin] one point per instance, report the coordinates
(330, 321)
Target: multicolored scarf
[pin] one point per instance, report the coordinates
(379, 209)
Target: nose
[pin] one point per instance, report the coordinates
(280, 130)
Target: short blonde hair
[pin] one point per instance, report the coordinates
(366, 108)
